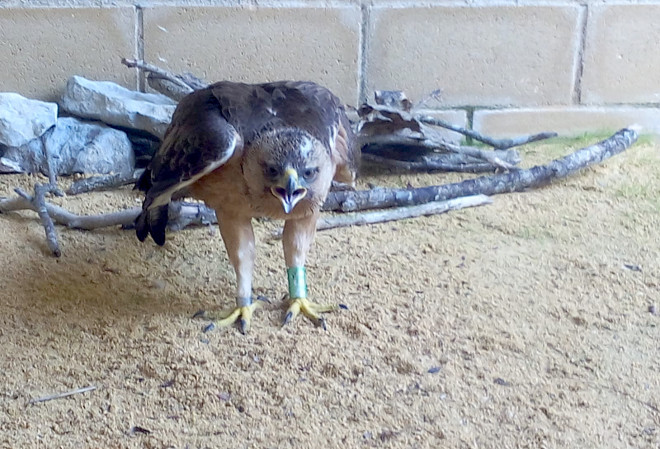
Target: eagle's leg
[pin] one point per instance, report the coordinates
(238, 237)
(296, 239)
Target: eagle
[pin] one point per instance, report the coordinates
(248, 151)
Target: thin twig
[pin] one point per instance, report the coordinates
(499, 144)
(142, 65)
(66, 394)
(434, 95)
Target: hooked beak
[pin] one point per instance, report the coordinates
(289, 191)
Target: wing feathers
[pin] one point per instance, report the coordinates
(198, 141)
(346, 152)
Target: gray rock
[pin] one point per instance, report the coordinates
(9, 166)
(75, 147)
(23, 119)
(116, 105)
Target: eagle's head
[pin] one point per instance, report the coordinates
(289, 166)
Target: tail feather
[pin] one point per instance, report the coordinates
(152, 221)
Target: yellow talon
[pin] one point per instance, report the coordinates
(310, 309)
(242, 315)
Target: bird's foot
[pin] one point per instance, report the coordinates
(311, 310)
(241, 314)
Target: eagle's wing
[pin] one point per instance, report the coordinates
(198, 141)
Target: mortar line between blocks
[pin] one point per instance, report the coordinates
(363, 48)
(139, 45)
(579, 63)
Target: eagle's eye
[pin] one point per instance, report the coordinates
(271, 172)
(310, 173)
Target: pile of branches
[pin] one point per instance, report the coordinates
(392, 132)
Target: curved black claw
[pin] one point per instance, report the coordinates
(263, 299)
(201, 313)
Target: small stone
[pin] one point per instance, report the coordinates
(158, 284)
(23, 119)
(632, 267)
(653, 310)
(116, 105)
(9, 166)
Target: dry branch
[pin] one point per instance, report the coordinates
(514, 181)
(104, 182)
(63, 217)
(384, 128)
(182, 214)
(38, 204)
(167, 87)
(167, 83)
(186, 214)
(50, 168)
(498, 144)
(393, 124)
(400, 134)
(435, 162)
(159, 72)
(399, 213)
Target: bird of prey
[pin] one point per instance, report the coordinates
(247, 151)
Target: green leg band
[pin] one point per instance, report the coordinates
(297, 277)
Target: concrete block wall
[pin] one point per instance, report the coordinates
(505, 67)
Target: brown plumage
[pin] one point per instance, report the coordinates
(262, 150)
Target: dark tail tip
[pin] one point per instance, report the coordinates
(152, 221)
(141, 226)
(144, 182)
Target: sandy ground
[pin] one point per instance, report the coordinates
(524, 324)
